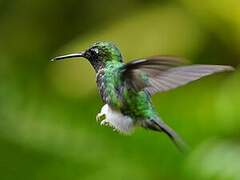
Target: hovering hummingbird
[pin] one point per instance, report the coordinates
(126, 88)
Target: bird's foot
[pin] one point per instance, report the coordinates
(114, 119)
(105, 122)
(100, 117)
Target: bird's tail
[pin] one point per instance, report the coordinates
(158, 125)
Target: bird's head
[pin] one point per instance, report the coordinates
(98, 54)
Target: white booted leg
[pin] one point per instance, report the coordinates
(115, 119)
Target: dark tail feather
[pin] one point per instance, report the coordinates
(158, 125)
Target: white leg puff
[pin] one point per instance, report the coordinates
(115, 119)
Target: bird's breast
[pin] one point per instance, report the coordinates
(101, 84)
(109, 87)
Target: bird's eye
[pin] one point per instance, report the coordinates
(95, 51)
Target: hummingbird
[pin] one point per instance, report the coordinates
(126, 88)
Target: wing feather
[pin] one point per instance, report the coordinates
(161, 74)
(180, 76)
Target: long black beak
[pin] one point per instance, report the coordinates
(74, 55)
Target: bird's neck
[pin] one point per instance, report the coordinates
(97, 65)
(100, 64)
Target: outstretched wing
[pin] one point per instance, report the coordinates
(161, 74)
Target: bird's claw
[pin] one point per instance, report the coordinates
(105, 123)
(108, 124)
(100, 117)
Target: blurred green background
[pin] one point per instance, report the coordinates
(47, 110)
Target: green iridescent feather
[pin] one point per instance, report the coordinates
(135, 104)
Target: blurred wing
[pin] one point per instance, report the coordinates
(162, 74)
(137, 72)
(180, 76)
